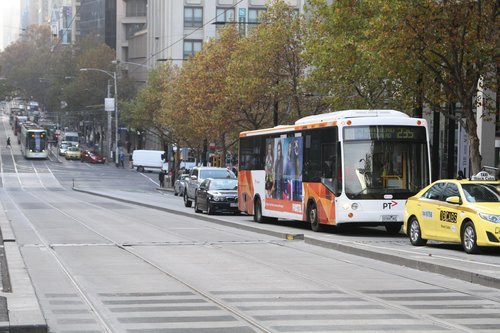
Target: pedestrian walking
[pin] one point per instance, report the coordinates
(161, 178)
(8, 142)
(122, 159)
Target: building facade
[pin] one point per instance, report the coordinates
(96, 18)
(150, 31)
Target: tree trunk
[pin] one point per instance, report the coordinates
(471, 128)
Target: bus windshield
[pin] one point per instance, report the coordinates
(380, 164)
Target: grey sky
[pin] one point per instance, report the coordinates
(9, 21)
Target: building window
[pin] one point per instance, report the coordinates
(193, 17)
(225, 15)
(255, 15)
(136, 8)
(191, 47)
(131, 29)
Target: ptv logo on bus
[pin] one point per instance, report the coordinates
(389, 205)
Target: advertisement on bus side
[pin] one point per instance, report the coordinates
(283, 174)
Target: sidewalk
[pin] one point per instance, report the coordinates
(19, 308)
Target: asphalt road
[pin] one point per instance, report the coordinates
(99, 264)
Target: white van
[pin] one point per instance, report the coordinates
(148, 160)
(71, 137)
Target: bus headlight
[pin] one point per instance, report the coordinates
(349, 206)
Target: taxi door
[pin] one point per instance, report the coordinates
(428, 209)
(447, 228)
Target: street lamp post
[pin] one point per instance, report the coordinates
(112, 75)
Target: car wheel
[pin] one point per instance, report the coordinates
(196, 209)
(393, 228)
(312, 217)
(415, 233)
(210, 209)
(187, 202)
(469, 238)
(140, 169)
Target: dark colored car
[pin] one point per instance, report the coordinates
(217, 194)
(92, 157)
(179, 184)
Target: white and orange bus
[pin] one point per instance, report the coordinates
(346, 167)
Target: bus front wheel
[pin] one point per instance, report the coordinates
(393, 228)
(312, 218)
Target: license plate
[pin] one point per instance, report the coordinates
(389, 218)
(233, 204)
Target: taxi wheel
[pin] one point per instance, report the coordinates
(415, 233)
(469, 238)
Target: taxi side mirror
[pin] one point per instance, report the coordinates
(454, 200)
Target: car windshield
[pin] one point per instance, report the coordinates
(481, 192)
(73, 149)
(223, 184)
(221, 173)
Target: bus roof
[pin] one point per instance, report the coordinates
(325, 118)
(332, 116)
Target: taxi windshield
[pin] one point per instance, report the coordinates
(481, 192)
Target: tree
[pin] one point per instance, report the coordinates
(454, 44)
(147, 111)
(376, 53)
(202, 91)
(27, 63)
(265, 81)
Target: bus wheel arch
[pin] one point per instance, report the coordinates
(257, 212)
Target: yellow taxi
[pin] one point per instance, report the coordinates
(465, 211)
(72, 153)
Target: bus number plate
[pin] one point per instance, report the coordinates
(389, 218)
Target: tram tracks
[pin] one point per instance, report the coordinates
(129, 249)
(219, 301)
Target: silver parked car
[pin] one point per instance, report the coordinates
(179, 184)
(197, 175)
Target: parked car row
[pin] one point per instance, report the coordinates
(211, 189)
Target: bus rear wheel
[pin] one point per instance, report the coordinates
(312, 218)
(257, 211)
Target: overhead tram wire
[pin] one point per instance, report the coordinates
(185, 36)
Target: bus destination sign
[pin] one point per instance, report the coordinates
(397, 133)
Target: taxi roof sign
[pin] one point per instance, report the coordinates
(483, 175)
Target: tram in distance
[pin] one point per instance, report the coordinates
(353, 167)
(33, 139)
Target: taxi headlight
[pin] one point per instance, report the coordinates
(490, 217)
